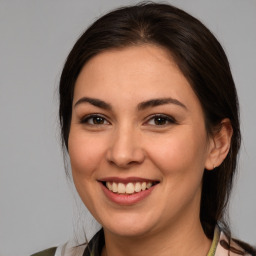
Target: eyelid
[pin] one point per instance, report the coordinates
(84, 119)
(170, 119)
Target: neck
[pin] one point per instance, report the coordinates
(188, 239)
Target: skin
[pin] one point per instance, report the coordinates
(129, 142)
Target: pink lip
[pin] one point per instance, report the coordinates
(124, 199)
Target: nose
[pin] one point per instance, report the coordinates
(125, 149)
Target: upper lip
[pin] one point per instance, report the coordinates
(126, 180)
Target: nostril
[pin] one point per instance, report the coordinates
(123, 164)
(125, 154)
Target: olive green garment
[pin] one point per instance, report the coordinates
(48, 252)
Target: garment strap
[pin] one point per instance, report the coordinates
(215, 241)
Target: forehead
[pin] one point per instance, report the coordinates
(132, 59)
(137, 72)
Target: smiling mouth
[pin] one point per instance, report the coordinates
(130, 187)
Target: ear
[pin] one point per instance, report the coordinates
(219, 145)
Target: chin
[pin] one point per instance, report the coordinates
(129, 226)
(127, 231)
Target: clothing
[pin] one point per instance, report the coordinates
(48, 252)
(217, 247)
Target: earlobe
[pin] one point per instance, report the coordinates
(219, 145)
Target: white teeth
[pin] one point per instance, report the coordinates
(137, 187)
(149, 184)
(114, 187)
(129, 188)
(109, 185)
(121, 188)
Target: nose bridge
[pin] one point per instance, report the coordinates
(125, 148)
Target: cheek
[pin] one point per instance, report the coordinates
(180, 159)
(85, 154)
(182, 153)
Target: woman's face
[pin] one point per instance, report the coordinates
(138, 128)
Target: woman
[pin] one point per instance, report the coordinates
(149, 117)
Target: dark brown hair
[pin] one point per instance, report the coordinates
(200, 58)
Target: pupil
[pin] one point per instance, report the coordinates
(98, 120)
(160, 121)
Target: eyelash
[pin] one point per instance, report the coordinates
(161, 117)
(92, 117)
(165, 118)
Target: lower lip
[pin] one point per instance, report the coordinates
(126, 199)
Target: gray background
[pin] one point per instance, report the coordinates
(36, 202)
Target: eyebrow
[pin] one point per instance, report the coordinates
(157, 102)
(141, 106)
(95, 102)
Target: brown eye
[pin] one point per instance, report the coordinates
(161, 120)
(98, 120)
(95, 120)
